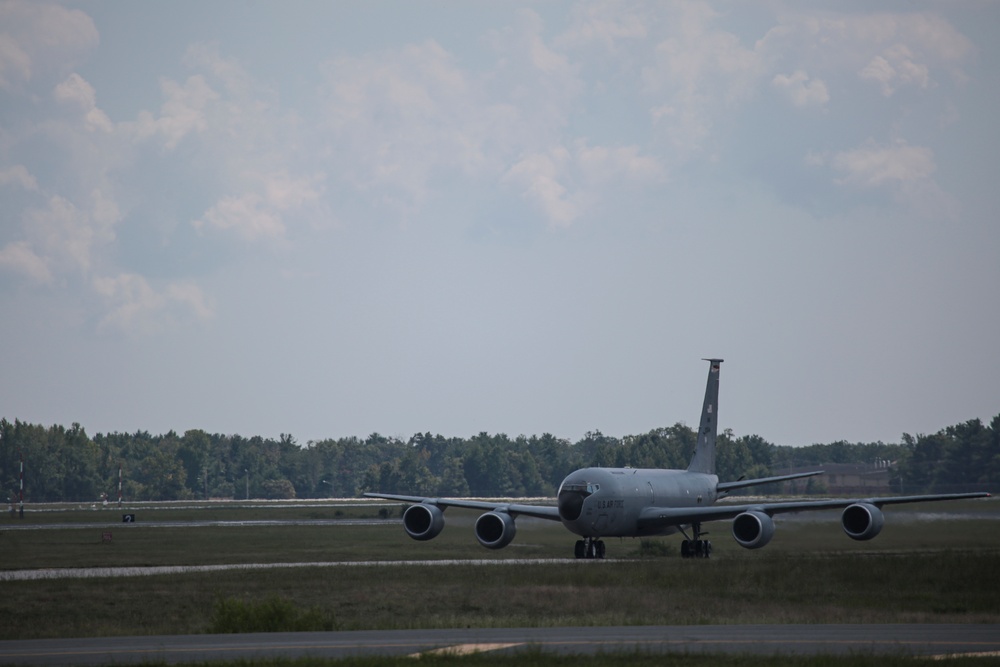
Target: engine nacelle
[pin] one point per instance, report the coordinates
(495, 530)
(753, 529)
(862, 521)
(423, 521)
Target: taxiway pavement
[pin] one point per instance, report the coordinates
(902, 639)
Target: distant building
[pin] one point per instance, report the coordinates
(840, 479)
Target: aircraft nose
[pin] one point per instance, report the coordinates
(570, 505)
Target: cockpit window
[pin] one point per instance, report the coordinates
(584, 489)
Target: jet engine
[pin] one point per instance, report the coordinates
(862, 521)
(495, 530)
(753, 529)
(423, 521)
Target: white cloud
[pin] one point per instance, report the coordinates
(903, 171)
(540, 84)
(873, 166)
(397, 119)
(605, 24)
(700, 72)
(248, 215)
(800, 90)
(189, 296)
(76, 90)
(15, 64)
(19, 258)
(891, 49)
(18, 175)
(63, 233)
(134, 306)
(40, 38)
(399, 122)
(104, 213)
(394, 119)
(285, 193)
(236, 81)
(244, 139)
(260, 212)
(600, 164)
(62, 238)
(182, 113)
(565, 184)
(895, 67)
(539, 175)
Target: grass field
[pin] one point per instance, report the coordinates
(924, 567)
(632, 659)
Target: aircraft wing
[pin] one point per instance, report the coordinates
(514, 509)
(661, 517)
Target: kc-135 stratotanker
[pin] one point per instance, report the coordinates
(597, 503)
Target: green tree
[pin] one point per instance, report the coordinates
(452, 480)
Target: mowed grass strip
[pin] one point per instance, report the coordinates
(948, 586)
(140, 545)
(916, 571)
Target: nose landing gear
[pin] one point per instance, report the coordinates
(590, 547)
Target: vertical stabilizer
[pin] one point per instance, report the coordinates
(704, 452)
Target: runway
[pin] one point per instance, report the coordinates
(155, 570)
(917, 639)
(249, 523)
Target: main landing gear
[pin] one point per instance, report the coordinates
(589, 547)
(696, 548)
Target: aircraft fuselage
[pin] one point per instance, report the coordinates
(607, 502)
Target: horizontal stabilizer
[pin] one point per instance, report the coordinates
(743, 483)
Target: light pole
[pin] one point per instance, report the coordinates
(247, 471)
(328, 484)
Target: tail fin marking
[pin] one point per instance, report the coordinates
(704, 451)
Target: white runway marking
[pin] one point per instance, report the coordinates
(465, 649)
(118, 572)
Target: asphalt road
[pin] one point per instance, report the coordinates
(928, 639)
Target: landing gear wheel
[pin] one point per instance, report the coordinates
(696, 549)
(589, 548)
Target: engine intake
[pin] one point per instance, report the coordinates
(495, 530)
(753, 529)
(423, 521)
(862, 521)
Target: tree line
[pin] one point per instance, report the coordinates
(65, 464)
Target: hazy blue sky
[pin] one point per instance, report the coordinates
(330, 219)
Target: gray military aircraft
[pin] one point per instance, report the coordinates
(595, 503)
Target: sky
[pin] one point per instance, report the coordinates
(338, 219)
